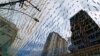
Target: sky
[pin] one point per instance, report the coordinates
(93, 12)
(2, 1)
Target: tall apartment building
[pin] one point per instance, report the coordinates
(55, 45)
(85, 35)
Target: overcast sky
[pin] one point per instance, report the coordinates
(2, 1)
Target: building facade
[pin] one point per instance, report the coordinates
(8, 32)
(85, 35)
(85, 32)
(55, 45)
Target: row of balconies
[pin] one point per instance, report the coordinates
(89, 51)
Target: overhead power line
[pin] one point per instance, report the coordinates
(21, 12)
(19, 1)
